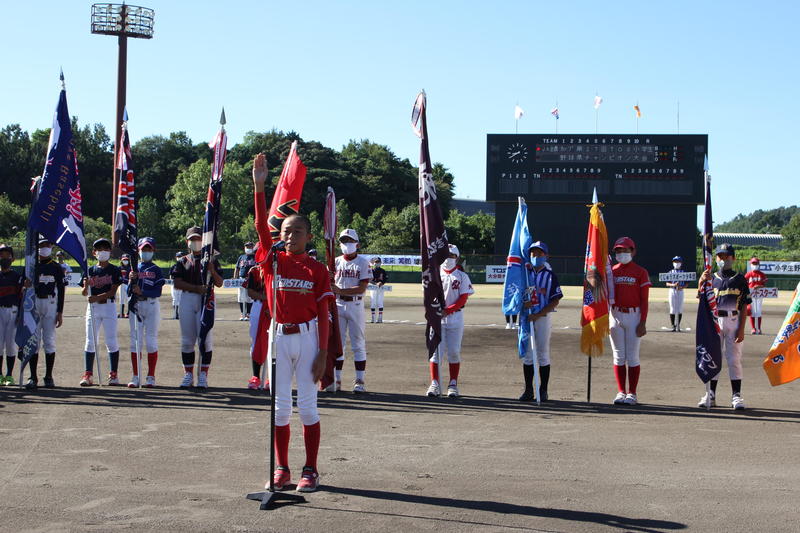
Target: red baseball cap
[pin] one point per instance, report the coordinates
(754, 260)
(624, 242)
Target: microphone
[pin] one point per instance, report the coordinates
(279, 246)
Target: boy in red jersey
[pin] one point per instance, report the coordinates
(755, 279)
(628, 318)
(301, 335)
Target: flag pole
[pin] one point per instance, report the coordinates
(589, 381)
(637, 117)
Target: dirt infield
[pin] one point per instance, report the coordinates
(106, 458)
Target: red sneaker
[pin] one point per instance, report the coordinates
(309, 480)
(254, 383)
(86, 380)
(281, 478)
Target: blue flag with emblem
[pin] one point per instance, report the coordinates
(515, 287)
(125, 232)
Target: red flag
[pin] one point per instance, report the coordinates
(285, 202)
(597, 285)
(330, 231)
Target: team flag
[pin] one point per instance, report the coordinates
(515, 286)
(598, 288)
(288, 193)
(597, 101)
(554, 112)
(125, 233)
(638, 111)
(518, 112)
(782, 363)
(708, 344)
(210, 248)
(330, 233)
(432, 234)
(56, 213)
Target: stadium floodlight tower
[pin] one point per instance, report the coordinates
(123, 21)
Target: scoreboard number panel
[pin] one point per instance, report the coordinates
(623, 168)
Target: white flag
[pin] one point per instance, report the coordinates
(518, 112)
(597, 101)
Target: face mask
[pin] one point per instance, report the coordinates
(103, 255)
(724, 264)
(248, 251)
(348, 248)
(147, 256)
(624, 257)
(676, 266)
(195, 246)
(45, 252)
(125, 262)
(755, 266)
(5, 263)
(538, 261)
(449, 263)
(378, 264)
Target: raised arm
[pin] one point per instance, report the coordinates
(262, 216)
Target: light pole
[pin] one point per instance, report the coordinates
(123, 21)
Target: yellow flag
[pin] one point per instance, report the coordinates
(638, 111)
(782, 364)
(597, 273)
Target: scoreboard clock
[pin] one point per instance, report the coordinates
(624, 168)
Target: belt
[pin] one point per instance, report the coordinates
(111, 300)
(291, 329)
(626, 309)
(350, 298)
(7, 306)
(727, 313)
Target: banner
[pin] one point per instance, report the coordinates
(330, 232)
(496, 273)
(677, 276)
(764, 292)
(782, 363)
(785, 268)
(597, 284)
(433, 243)
(396, 260)
(125, 233)
(515, 287)
(288, 194)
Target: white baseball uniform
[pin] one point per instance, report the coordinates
(676, 295)
(455, 283)
(151, 281)
(351, 308)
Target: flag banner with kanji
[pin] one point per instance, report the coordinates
(433, 243)
(597, 285)
(782, 363)
(708, 343)
(515, 286)
(125, 232)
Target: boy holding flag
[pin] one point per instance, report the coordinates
(148, 282)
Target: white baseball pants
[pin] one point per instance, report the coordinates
(176, 296)
(755, 307)
(104, 317)
(540, 330)
(351, 319)
(296, 354)
(376, 298)
(675, 302)
(624, 341)
(255, 315)
(8, 330)
(191, 310)
(47, 308)
(452, 334)
(731, 349)
(150, 312)
(242, 297)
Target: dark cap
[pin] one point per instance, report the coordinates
(249, 243)
(42, 239)
(313, 252)
(101, 241)
(146, 241)
(178, 255)
(725, 248)
(540, 245)
(6, 248)
(194, 231)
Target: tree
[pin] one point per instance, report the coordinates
(13, 219)
(791, 233)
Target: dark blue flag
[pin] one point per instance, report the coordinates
(210, 227)
(125, 232)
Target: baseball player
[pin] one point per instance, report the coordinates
(379, 279)
(548, 295)
(148, 283)
(245, 262)
(49, 286)
(125, 270)
(63, 263)
(511, 322)
(733, 296)
(100, 289)
(628, 318)
(676, 295)
(187, 276)
(301, 338)
(176, 293)
(457, 288)
(755, 280)
(353, 274)
(10, 296)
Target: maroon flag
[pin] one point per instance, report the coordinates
(432, 235)
(330, 230)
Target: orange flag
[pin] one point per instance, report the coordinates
(597, 290)
(782, 364)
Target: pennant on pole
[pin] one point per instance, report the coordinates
(125, 232)
(288, 194)
(330, 233)
(598, 285)
(638, 111)
(597, 101)
(555, 113)
(432, 234)
(515, 286)
(782, 363)
(518, 112)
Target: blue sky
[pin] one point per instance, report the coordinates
(335, 71)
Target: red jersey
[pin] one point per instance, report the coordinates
(631, 286)
(755, 279)
(302, 283)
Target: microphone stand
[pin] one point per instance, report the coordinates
(270, 496)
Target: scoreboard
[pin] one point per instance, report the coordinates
(660, 169)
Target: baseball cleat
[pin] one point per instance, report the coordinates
(358, 386)
(508, 325)
(452, 391)
(380, 320)
(737, 402)
(281, 478)
(202, 380)
(134, 382)
(630, 399)
(113, 379)
(86, 380)
(309, 480)
(49, 383)
(336, 386)
(31, 384)
(150, 382)
(434, 389)
(619, 399)
(188, 380)
(704, 400)
(254, 383)
(527, 396)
